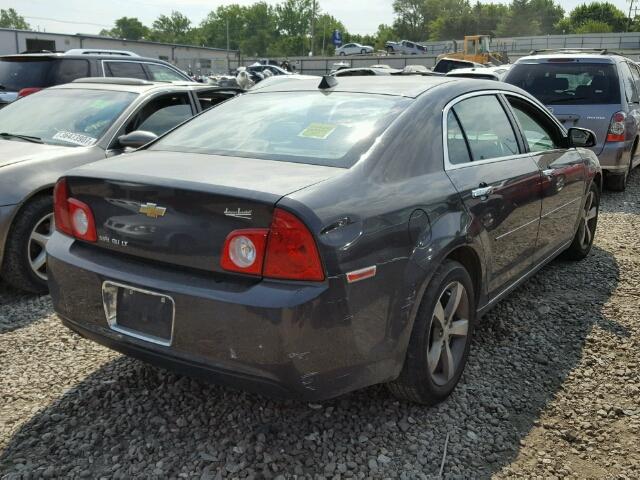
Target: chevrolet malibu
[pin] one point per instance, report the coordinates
(314, 237)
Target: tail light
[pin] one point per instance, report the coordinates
(72, 217)
(286, 250)
(27, 91)
(617, 127)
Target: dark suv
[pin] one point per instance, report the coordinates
(23, 74)
(598, 90)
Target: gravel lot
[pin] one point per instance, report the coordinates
(552, 389)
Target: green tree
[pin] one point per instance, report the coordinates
(597, 12)
(175, 28)
(530, 17)
(411, 18)
(129, 28)
(594, 26)
(9, 18)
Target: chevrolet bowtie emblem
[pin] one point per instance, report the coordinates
(152, 210)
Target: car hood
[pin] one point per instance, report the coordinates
(18, 151)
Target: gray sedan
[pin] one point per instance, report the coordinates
(47, 133)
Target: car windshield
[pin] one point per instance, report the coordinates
(567, 83)
(18, 74)
(305, 127)
(71, 117)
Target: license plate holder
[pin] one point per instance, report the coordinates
(139, 313)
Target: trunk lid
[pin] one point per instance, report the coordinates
(178, 208)
(593, 117)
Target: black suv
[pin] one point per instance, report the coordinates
(23, 74)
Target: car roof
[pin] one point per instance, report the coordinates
(132, 85)
(405, 86)
(584, 57)
(94, 56)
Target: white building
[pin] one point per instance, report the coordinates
(196, 59)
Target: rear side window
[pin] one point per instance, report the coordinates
(570, 83)
(456, 142)
(70, 69)
(487, 128)
(630, 87)
(160, 73)
(125, 70)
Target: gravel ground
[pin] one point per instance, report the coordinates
(552, 390)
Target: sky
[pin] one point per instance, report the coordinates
(91, 16)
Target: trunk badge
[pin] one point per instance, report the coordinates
(239, 213)
(152, 210)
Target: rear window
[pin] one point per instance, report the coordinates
(303, 127)
(567, 83)
(25, 72)
(444, 66)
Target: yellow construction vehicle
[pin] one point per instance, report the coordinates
(476, 49)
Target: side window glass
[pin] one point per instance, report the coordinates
(161, 114)
(456, 143)
(538, 135)
(125, 70)
(636, 78)
(629, 85)
(209, 98)
(487, 128)
(71, 69)
(160, 73)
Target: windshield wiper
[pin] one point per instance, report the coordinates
(565, 100)
(27, 138)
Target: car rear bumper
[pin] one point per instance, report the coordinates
(614, 157)
(274, 338)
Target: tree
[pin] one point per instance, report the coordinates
(411, 19)
(597, 13)
(594, 26)
(175, 28)
(9, 18)
(129, 28)
(530, 17)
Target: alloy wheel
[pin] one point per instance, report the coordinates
(588, 220)
(448, 333)
(37, 243)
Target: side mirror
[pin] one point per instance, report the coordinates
(136, 139)
(581, 137)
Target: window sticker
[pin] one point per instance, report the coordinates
(320, 131)
(75, 138)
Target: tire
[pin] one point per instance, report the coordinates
(363, 51)
(583, 239)
(618, 182)
(22, 248)
(342, 54)
(422, 379)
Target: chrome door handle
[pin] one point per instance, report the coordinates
(481, 192)
(548, 172)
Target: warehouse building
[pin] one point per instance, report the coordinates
(199, 60)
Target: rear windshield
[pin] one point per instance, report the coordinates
(567, 83)
(305, 127)
(444, 66)
(71, 117)
(26, 72)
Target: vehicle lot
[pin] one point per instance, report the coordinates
(552, 388)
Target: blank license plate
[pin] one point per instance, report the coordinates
(140, 313)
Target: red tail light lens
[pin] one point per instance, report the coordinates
(291, 250)
(286, 251)
(27, 91)
(617, 127)
(72, 217)
(243, 251)
(61, 214)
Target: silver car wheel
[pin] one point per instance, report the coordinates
(37, 243)
(448, 333)
(588, 220)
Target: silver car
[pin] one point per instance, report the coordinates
(47, 133)
(354, 49)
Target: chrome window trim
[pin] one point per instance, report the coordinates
(445, 112)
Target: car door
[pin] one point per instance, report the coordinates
(498, 183)
(563, 175)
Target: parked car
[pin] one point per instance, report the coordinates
(354, 49)
(47, 133)
(445, 65)
(23, 74)
(362, 71)
(274, 69)
(316, 236)
(486, 73)
(405, 47)
(596, 90)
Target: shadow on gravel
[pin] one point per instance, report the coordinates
(19, 309)
(129, 419)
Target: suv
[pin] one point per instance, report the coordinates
(23, 74)
(594, 89)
